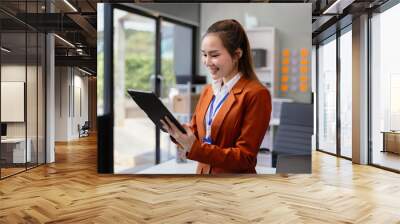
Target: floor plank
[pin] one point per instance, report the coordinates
(71, 191)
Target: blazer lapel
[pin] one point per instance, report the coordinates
(226, 106)
(203, 110)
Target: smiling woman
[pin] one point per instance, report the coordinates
(233, 113)
(226, 50)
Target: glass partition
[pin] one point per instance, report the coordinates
(14, 152)
(385, 89)
(134, 68)
(176, 65)
(346, 94)
(23, 86)
(327, 96)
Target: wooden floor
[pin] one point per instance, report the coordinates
(387, 159)
(10, 171)
(70, 191)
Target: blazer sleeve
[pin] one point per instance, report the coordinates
(243, 155)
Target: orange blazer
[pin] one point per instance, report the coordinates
(237, 130)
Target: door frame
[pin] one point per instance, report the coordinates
(106, 120)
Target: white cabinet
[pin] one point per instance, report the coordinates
(17, 146)
(265, 38)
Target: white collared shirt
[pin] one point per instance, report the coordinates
(220, 91)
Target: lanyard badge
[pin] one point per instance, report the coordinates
(211, 115)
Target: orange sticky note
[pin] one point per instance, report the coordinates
(304, 61)
(284, 88)
(303, 69)
(304, 52)
(285, 69)
(303, 87)
(303, 78)
(285, 61)
(284, 78)
(286, 52)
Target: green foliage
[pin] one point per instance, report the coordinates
(100, 76)
(139, 64)
(168, 72)
(139, 69)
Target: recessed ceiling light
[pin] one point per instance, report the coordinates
(70, 5)
(338, 6)
(5, 50)
(64, 40)
(84, 71)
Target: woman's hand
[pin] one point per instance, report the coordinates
(185, 140)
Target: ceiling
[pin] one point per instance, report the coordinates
(75, 21)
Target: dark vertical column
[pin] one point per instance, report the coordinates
(37, 89)
(45, 87)
(105, 134)
(338, 72)
(317, 96)
(158, 82)
(26, 86)
(369, 90)
(0, 98)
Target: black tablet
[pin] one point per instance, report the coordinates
(153, 107)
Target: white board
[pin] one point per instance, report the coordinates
(12, 101)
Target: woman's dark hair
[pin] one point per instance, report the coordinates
(233, 37)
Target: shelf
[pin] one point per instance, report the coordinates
(264, 69)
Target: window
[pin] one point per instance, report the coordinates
(144, 62)
(176, 65)
(346, 94)
(385, 88)
(100, 59)
(327, 96)
(22, 76)
(134, 68)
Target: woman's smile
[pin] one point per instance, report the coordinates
(213, 70)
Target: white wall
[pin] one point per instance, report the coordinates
(16, 73)
(61, 103)
(33, 105)
(189, 12)
(71, 94)
(292, 23)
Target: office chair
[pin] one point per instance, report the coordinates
(84, 130)
(292, 144)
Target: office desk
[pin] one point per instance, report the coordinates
(391, 141)
(15, 148)
(172, 167)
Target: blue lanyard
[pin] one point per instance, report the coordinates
(211, 114)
